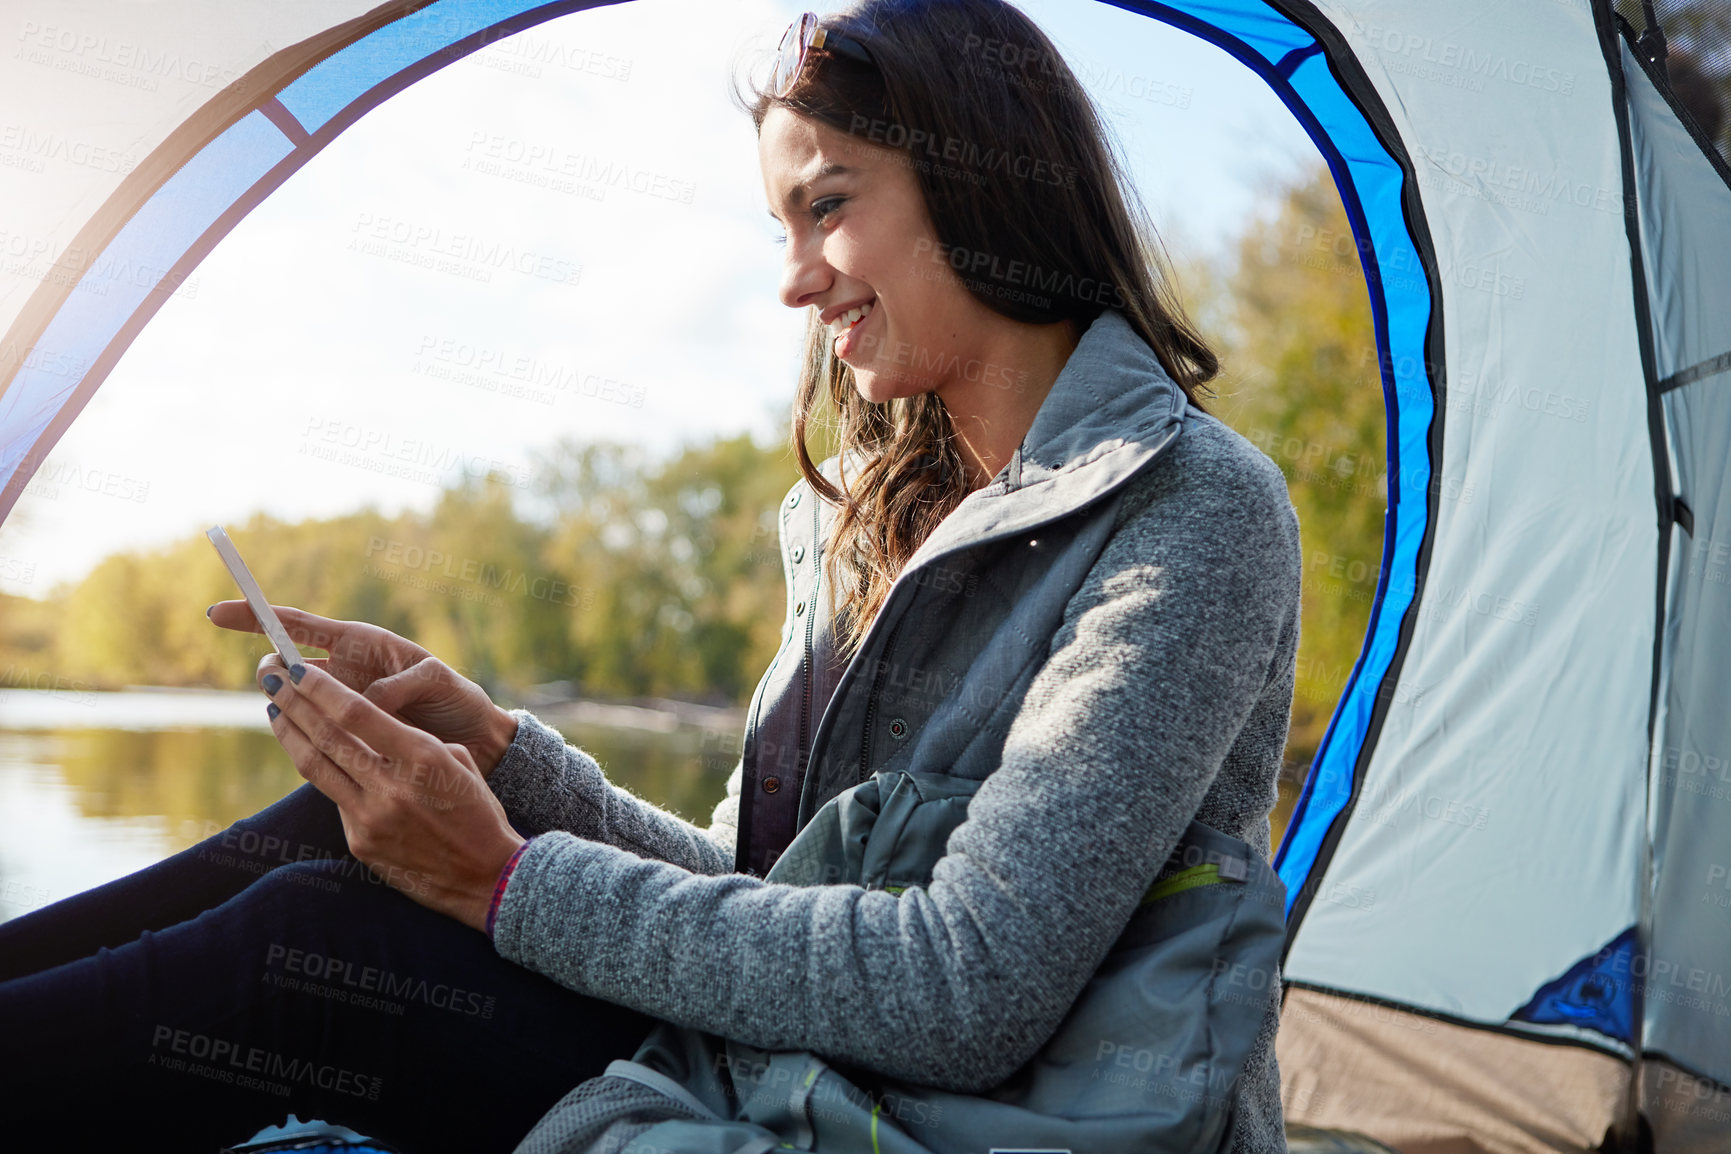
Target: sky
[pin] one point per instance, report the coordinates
(469, 274)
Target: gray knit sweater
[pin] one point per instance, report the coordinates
(1166, 696)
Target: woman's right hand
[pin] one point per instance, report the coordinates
(393, 673)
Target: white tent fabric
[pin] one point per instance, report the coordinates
(1504, 709)
(1508, 882)
(1685, 216)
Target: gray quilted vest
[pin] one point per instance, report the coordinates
(856, 772)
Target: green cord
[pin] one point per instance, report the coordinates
(1206, 874)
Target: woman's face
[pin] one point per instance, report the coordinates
(858, 236)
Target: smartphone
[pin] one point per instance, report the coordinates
(254, 597)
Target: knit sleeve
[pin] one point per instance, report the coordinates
(545, 783)
(1160, 658)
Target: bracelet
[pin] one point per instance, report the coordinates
(499, 886)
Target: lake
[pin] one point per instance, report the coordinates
(94, 785)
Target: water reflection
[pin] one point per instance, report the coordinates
(81, 805)
(194, 781)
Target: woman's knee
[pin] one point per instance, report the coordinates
(322, 884)
(304, 825)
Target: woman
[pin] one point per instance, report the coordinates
(1045, 617)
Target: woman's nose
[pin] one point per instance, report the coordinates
(805, 275)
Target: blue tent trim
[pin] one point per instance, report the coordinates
(1596, 993)
(201, 203)
(126, 276)
(1371, 176)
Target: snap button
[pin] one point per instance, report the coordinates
(898, 728)
(771, 784)
(793, 500)
(798, 554)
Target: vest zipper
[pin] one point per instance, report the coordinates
(803, 759)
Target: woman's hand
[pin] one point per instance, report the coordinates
(414, 808)
(393, 673)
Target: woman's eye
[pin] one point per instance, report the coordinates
(818, 211)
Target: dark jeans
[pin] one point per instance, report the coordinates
(266, 970)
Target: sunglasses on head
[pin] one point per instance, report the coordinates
(796, 43)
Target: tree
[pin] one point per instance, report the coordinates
(680, 564)
(1301, 382)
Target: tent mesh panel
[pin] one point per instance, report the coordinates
(1697, 58)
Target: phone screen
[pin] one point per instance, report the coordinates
(254, 596)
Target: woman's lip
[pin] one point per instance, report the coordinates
(843, 345)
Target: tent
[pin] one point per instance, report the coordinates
(1509, 871)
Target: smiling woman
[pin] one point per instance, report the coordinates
(1000, 796)
(992, 868)
(978, 236)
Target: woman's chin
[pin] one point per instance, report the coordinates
(871, 386)
(880, 387)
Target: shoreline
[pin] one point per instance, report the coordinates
(142, 707)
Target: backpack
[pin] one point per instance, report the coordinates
(1146, 1061)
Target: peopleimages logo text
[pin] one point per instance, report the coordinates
(978, 266)
(967, 153)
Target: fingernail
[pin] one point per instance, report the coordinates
(296, 672)
(272, 683)
(208, 608)
(272, 710)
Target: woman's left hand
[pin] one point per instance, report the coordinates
(414, 808)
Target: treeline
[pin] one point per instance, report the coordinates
(649, 578)
(1302, 383)
(645, 578)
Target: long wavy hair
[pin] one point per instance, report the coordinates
(1017, 174)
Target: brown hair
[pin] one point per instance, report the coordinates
(1017, 174)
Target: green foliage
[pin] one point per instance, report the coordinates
(655, 579)
(681, 565)
(1301, 382)
(27, 630)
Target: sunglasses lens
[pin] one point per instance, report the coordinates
(790, 56)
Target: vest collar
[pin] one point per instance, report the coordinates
(1112, 410)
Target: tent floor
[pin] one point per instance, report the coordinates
(1310, 1140)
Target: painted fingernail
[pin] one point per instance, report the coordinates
(296, 672)
(272, 710)
(272, 683)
